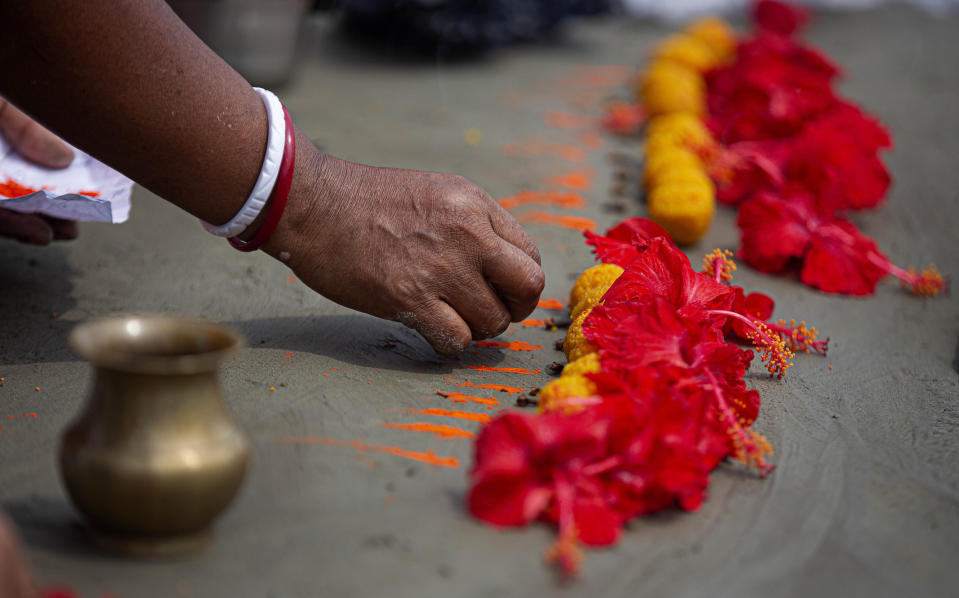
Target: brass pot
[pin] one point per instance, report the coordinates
(154, 457)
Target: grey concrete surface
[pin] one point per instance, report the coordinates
(865, 499)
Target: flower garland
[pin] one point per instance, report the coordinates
(778, 142)
(651, 401)
(679, 193)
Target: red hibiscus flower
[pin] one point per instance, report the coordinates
(834, 255)
(623, 243)
(665, 271)
(835, 159)
(779, 17)
(529, 467)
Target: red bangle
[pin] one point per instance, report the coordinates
(281, 191)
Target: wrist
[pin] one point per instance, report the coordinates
(305, 191)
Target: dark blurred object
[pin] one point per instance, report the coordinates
(256, 37)
(462, 26)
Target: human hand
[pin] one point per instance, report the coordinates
(15, 579)
(432, 251)
(42, 147)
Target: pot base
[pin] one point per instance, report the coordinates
(150, 546)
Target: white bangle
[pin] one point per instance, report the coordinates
(268, 172)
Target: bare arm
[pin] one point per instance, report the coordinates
(129, 83)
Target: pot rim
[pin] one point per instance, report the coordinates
(101, 343)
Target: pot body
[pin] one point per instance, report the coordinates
(154, 457)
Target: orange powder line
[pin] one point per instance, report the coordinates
(437, 429)
(487, 368)
(567, 200)
(361, 447)
(467, 415)
(570, 153)
(458, 397)
(566, 221)
(592, 140)
(567, 120)
(570, 180)
(533, 323)
(512, 345)
(500, 387)
(551, 304)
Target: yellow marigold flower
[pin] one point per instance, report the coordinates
(683, 175)
(561, 394)
(687, 50)
(682, 128)
(600, 276)
(587, 364)
(717, 34)
(576, 344)
(685, 211)
(665, 73)
(673, 97)
(667, 159)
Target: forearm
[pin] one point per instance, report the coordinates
(129, 83)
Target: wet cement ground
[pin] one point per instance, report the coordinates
(865, 498)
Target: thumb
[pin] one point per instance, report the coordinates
(31, 140)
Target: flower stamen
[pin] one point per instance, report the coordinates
(749, 446)
(772, 348)
(565, 552)
(801, 338)
(719, 264)
(929, 282)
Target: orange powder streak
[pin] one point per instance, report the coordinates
(487, 368)
(550, 304)
(500, 387)
(567, 120)
(361, 447)
(570, 180)
(467, 415)
(512, 345)
(458, 397)
(533, 323)
(592, 140)
(571, 222)
(11, 188)
(571, 201)
(438, 429)
(570, 153)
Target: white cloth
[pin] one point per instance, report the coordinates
(58, 195)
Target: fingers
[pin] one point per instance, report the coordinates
(14, 577)
(63, 230)
(510, 230)
(440, 325)
(517, 279)
(26, 228)
(31, 140)
(480, 307)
